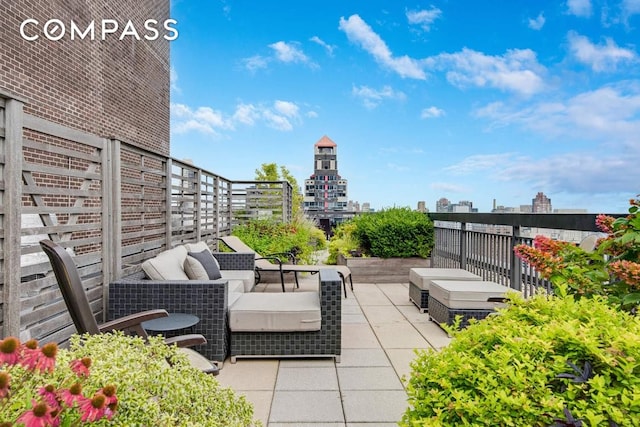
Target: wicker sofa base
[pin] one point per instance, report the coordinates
(284, 344)
(326, 342)
(441, 314)
(419, 297)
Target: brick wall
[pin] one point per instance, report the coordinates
(108, 88)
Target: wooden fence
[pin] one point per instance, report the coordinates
(111, 204)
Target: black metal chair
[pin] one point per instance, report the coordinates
(77, 303)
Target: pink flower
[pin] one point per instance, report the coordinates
(5, 382)
(9, 351)
(48, 394)
(95, 408)
(72, 395)
(43, 359)
(81, 366)
(38, 416)
(627, 271)
(605, 223)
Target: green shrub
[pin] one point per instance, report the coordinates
(152, 392)
(390, 233)
(342, 242)
(540, 362)
(300, 237)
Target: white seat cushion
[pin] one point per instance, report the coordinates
(276, 312)
(167, 265)
(422, 277)
(236, 285)
(465, 294)
(246, 276)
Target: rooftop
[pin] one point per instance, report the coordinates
(380, 330)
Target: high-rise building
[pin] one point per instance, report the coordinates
(442, 205)
(541, 204)
(325, 192)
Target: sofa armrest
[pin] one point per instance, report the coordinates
(206, 299)
(236, 260)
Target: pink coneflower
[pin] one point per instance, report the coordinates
(43, 359)
(5, 382)
(9, 351)
(81, 366)
(48, 394)
(72, 394)
(38, 416)
(95, 408)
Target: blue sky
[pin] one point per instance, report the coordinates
(467, 100)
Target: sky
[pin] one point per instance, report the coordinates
(468, 100)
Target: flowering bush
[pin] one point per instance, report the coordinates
(612, 269)
(156, 385)
(36, 393)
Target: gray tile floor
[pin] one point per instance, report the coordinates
(380, 330)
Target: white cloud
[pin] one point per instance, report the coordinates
(610, 114)
(518, 70)
(288, 52)
(478, 163)
(424, 17)
(602, 57)
(322, 43)
(431, 112)
(281, 116)
(360, 33)
(173, 80)
(247, 114)
(538, 22)
(371, 98)
(286, 108)
(277, 121)
(312, 115)
(630, 7)
(255, 62)
(581, 8)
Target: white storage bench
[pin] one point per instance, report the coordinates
(469, 299)
(420, 280)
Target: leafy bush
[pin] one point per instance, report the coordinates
(300, 237)
(342, 242)
(612, 269)
(152, 392)
(541, 362)
(390, 233)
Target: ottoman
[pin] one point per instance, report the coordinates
(470, 299)
(420, 279)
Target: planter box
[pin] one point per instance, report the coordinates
(382, 270)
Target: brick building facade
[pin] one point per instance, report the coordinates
(110, 88)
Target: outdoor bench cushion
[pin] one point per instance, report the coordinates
(247, 277)
(275, 312)
(464, 294)
(422, 277)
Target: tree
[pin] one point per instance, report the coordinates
(271, 172)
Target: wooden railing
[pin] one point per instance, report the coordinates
(110, 203)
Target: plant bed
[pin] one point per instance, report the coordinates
(380, 270)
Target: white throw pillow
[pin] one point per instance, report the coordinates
(167, 265)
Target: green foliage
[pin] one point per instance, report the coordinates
(544, 360)
(390, 233)
(301, 237)
(269, 172)
(342, 242)
(153, 392)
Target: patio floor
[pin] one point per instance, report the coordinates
(380, 330)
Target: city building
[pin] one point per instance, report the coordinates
(463, 206)
(541, 204)
(325, 192)
(422, 206)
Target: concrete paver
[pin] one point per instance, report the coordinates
(380, 330)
